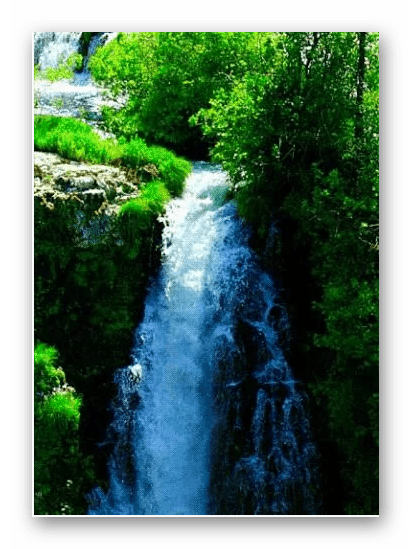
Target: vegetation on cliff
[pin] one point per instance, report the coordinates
(58, 462)
(76, 140)
(91, 271)
(293, 118)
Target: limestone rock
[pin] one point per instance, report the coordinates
(70, 176)
(84, 197)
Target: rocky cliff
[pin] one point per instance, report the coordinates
(94, 190)
(89, 290)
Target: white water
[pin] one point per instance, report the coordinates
(54, 48)
(175, 420)
(67, 97)
(169, 430)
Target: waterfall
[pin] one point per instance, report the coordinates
(208, 418)
(99, 39)
(63, 97)
(53, 48)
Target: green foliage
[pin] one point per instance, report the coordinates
(61, 411)
(125, 66)
(167, 78)
(64, 71)
(111, 321)
(56, 421)
(126, 63)
(74, 139)
(137, 216)
(174, 173)
(46, 375)
(156, 195)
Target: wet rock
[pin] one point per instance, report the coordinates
(278, 320)
(59, 174)
(245, 489)
(253, 344)
(229, 364)
(252, 306)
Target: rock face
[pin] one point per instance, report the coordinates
(88, 289)
(86, 196)
(263, 459)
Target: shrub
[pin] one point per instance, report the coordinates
(56, 420)
(64, 71)
(46, 375)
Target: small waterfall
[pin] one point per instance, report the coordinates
(53, 48)
(208, 418)
(99, 39)
(64, 97)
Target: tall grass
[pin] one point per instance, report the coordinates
(75, 140)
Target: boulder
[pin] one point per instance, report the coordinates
(252, 343)
(80, 197)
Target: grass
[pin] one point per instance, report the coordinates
(75, 140)
(153, 197)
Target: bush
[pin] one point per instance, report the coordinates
(56, 419)
(64, 71)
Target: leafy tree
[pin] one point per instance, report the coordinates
(168, 77)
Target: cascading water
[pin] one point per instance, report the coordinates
(208, 419)
(52, 48)
(63, 97)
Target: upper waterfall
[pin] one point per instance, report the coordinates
(53, 48)
(68, 97)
